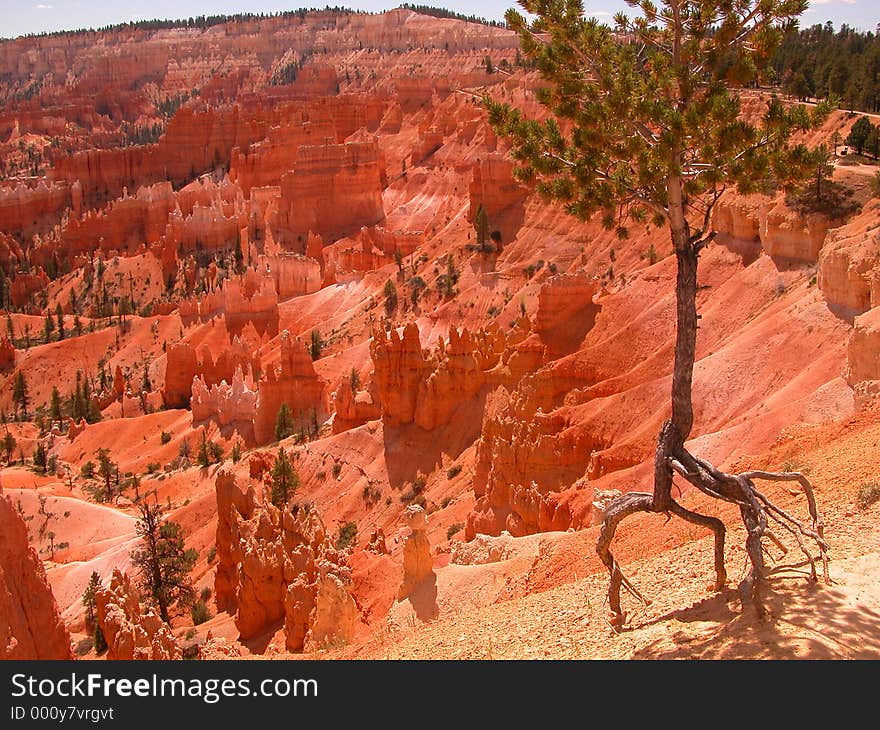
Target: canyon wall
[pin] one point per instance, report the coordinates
(331, 190)
(30, 622)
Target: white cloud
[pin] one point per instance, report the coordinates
(828, 2)
(42, 6)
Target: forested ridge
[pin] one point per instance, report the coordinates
(819, 61)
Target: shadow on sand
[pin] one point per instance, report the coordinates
(805, 621)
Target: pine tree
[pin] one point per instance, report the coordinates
(872, 142)
(648, 131)
(283, 422)
(9, 443)
(390, 292)
(285, 480)
(203, 458)
(40, 458)
(77, 401)
(799, 87)
(93, 412)
(48, 328)
(215, 452)
(20, 393)
(59, 318)
(316, 344)
(858, 135)
(163, 561)
(124, 309)
(88, 599)
(354, 380)
(106, 470)
(55, 405)
(481, 226)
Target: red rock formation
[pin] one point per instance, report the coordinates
(209, 217)
(130, 632)
(566, 311)
(249, 299)
(418, 565)
(31, 210)
(294, 382)
(864, 348)
(183, 366)
(430, 140)
(863, 357)
(296, 274)
(228, 404)
(523, 457)
(124, 225)
(783, 233)
(10, 252)
(400, 368)
(414, 386)
(849, 266)
(372, 248)
(332, 190)
(271, 158)
(194, 142)
(788, 235)
(7, 354)
(75, 428)
(502, 197)
(23, 287)
(280, 565)
(30, 623)
(352, 409)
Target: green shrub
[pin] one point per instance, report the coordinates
(795, 465)
(165, 437)
(869, 493)
(456, 527)
(453, 471)
(347, 536)
(371, 494)
(199, 612)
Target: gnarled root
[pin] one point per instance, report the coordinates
(756, 511)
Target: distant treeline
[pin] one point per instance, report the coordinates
(443, 13)
(819, 62)
(202, 22)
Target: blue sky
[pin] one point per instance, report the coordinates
(34, 16)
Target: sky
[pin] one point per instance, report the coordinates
(35, 16)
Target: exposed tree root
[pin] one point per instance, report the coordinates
(756, 511)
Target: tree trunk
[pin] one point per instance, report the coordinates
(672, 457)
(677, 429)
